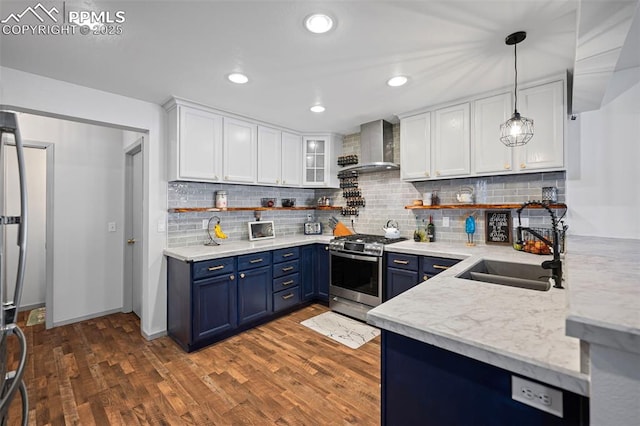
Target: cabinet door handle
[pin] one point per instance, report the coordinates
(401, 262)
(288, 268)
(441, 267)
(326, 247)
(426, 174)
(226, 178)
(437, 172)
(286, 283)
(507, 166)
(255, 260)
(216, 268)
(242, 275)
(425, 277)
(216, 177)
(287, 255)
(523, 166)
(284, 182)
(232, 277)
(287, 296)
(277, 180)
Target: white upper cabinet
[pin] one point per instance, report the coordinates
(239, 151)
(195, 144)
(292, 159)
(320, 157)
(543, 104)
(490, 155)
(451, 146)
(445, 142)
(415, 147)
(269, 155)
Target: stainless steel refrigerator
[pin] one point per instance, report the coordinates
(11, 381)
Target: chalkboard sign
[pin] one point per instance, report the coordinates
(498, 227)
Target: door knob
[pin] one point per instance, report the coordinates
(131, 241)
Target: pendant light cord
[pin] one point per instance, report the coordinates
(515, 56)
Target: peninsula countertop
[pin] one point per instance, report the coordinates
(516, 329)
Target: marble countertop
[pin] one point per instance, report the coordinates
(235, 248)
(604, 291)
(520, 330)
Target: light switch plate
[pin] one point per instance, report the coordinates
(524, 221)
(205, 223)
(161, 226)
(445, 222)
(111, 227)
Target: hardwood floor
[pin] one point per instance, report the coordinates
(102, 371)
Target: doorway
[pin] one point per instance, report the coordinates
(38, 158)
(133, 229)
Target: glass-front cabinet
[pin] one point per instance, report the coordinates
(320, 160)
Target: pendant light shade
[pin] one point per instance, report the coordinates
(517, 130)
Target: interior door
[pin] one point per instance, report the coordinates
(132, 290)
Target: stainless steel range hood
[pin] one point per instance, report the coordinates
(376, 148)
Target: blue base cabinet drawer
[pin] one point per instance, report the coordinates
(286, 299)
(286, 282)
(286, 268)
(213, 268)
(255, 260)
(402, 261)
(284, 255)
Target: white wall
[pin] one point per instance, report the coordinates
(26, 91)
(615, 386)
(88, 181)
(603, 178)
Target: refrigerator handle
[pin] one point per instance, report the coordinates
(22, 231)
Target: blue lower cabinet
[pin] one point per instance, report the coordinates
(286, 299)
(398, 281)
(208, 301)
(214, 306)
(307, 272)
(426, 385)
(322, 272)
(201, 301)
(254, 294)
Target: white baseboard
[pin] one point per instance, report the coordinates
(153, 335)
(87, 317)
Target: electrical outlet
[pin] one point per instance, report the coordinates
(162, 227)
(205, 223)
(536, 395)
(524, 221)
(445, 222)
(111, 227)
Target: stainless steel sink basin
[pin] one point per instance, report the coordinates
(522, 275)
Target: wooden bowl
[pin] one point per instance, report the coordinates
(417, 202)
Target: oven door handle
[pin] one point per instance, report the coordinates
(372, 259)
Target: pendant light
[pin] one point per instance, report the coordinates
(517, 130)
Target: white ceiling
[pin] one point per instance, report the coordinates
(449, 49)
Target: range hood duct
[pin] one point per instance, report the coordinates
(376, 148)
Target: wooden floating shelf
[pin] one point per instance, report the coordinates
(241, 209)
(482, 206)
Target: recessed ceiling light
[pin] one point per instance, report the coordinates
(396, 81)
(317, 108)
(238, 78)
(318, 23)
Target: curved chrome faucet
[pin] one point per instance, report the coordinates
(556, 264)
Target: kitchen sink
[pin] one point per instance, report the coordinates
(522, 275)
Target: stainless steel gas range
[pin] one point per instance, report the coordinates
(357, 274)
